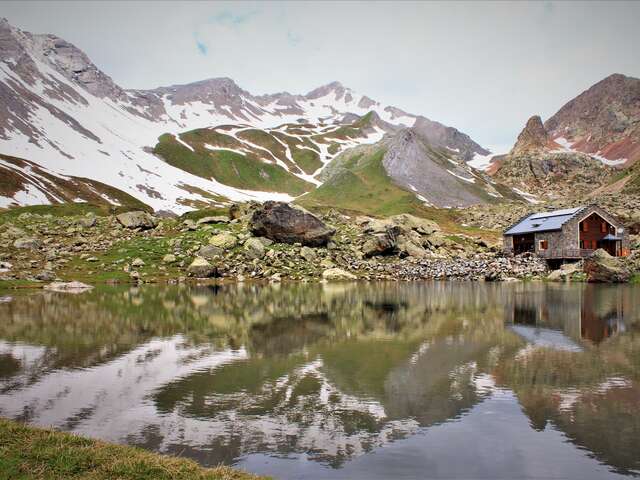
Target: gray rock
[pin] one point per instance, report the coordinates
(169, 258)
(68, 287)
(380, 244)
(27, 243)
(309, 254)
(602, 267)
(337, 274)
(137, 219)
(88, 221)
(201, 268)
(210, 251)
(224, 240)
(254, 248)
(190, 224)
(137, 262)
(45, 276)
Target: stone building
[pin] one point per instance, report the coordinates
(568, 234)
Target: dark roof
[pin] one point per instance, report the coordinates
(543, 222)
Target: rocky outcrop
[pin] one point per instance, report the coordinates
(602, 267)
(603, 119)
(280, 222)
(137, 219)
(402, 234)
(440, 135)
(533, 137)
(437, 174)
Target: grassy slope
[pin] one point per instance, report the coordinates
(34, 453)
(229, 168)
(364, 187)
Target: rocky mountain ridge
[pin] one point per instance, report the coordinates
(603, 121)
(590, 145)
(61, 112)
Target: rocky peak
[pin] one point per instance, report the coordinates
(440, 135)
(324, 90)
(217, 91)
(604, 119)
(533, 137)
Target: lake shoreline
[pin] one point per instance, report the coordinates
(50, 244)
(34, 452)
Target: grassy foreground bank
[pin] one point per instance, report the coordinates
(35, 453)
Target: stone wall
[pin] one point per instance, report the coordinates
(555, 239)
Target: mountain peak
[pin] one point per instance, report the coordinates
(324, 90)
(533, 137)
(602, 119)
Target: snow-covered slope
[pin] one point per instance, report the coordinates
(59, 111)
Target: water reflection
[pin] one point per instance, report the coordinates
(260, 375)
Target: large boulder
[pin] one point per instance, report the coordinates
(282, 223)
(137, 219)
(602, 267)
(380, 244)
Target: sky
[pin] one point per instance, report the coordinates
(482, 67)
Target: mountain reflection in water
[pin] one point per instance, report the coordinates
(339, 380)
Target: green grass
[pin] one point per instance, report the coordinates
(15, 284)
(35, 453)
(307, 160)
(635, 278)
(196, 215)
(69, 210)
(363, 186)
(229, 168)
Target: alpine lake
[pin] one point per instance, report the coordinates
(339, 380)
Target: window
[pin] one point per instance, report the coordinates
(544, 244)
(603, 227)
(585, 226)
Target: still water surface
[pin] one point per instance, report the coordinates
(389, 380)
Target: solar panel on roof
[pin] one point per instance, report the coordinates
(543, 222)
(556, 213)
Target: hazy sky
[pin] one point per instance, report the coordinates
(481, 67)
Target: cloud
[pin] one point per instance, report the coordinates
(293, 38)
(202, 48)
(227, 17)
